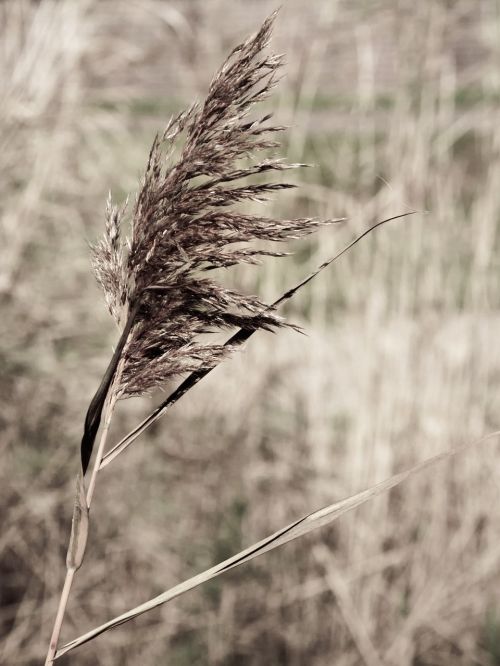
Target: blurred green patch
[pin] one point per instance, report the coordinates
(467, 97)
(188, 648)
(490, 639)
(230, 535)
(227, 541)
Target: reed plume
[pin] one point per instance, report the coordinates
(184, 224)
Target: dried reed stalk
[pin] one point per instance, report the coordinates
(184, 224)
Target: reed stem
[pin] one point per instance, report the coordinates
(70, 572)
(110, 407)
(54, 639)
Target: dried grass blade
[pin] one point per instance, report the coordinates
(237, 339)
(292, 531)
(94, 412)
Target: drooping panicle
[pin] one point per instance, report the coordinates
(186, 222)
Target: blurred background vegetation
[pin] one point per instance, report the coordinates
(396, 103)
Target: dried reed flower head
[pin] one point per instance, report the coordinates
(183, 226)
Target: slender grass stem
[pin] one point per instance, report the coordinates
(63, 601)
(110, 407)
(70, 572)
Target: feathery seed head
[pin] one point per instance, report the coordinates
(184, 225)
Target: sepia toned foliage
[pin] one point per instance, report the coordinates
(394, 103)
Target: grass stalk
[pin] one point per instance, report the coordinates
(186, 222)
(61, 610)
(72, 569)
(110, 408)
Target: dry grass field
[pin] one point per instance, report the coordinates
(396, 103)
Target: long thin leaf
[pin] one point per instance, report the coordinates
(94, 412)
(296, 529)
(235, 340)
